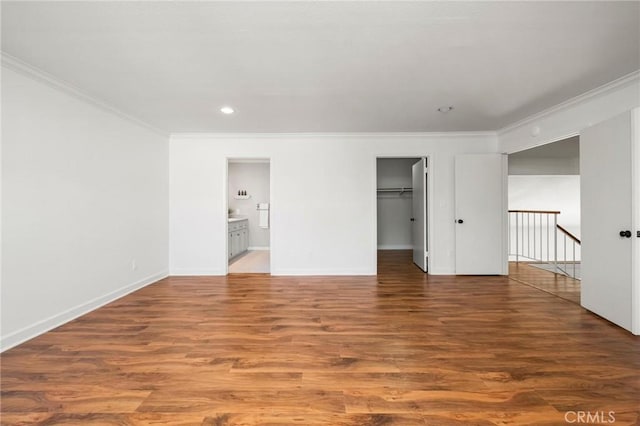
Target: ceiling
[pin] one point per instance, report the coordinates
(365, 66)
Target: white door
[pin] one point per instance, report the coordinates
(419, 212)
(481, 214)
(606, 211)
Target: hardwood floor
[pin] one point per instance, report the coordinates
(400, 348)
(558, 285)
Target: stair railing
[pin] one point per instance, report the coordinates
(534, 236)
(569, 266)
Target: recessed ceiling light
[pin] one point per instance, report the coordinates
(227, 110)
(445, 109)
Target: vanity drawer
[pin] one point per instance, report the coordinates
(235, 226)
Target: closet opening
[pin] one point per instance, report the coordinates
(402, 188)
(249, 216)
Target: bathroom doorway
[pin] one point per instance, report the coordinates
(249, 216)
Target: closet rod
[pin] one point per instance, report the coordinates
(400, 190)
(394, 189)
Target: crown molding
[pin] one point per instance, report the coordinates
(349, 135)
(626, 80)
(28, 70)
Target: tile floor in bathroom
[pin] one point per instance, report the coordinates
(251, 262)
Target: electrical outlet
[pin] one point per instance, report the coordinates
(134, 265)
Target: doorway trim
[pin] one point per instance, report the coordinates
(225, 204)
(429, 188)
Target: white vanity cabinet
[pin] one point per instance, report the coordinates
(238, 238)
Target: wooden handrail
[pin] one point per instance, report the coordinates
(569, 234)
(535, 211)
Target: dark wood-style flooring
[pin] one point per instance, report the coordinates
(400, 348)
(559, 285)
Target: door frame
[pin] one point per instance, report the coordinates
(225, 204)
(506, 186)
(635, 222)
(429, 188)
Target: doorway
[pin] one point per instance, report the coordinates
(249, 216)
(402, 210)
(544, 218)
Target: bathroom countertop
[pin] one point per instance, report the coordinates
(236, 219)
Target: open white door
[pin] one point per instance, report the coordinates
(481, 214)
(606, 165)
(419, 226)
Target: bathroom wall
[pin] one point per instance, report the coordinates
(252, 177)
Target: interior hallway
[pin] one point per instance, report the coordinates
(398, 348)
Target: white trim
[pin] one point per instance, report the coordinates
(225, 207)
(249, 161)
(186, 272)
(29, 332)
(635, 221)
(442, 272)
(225, 204)
(505, 215)
(628, 79)
(37, 74)
(395, 247)
(351, 135)
(430, 212)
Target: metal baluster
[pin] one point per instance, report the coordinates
(565, 250)
(529, 236)
(522, 226)
(574, 258)
(547, 238)
(517, 232)
(555, 242)
(541, 257)
(534, 235)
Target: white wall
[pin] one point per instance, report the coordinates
(84, 193)
(394, 209)
(561, 193)
(544, 166)
(323, 198)
(254, 178)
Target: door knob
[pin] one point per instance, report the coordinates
(625, 234)
(460, 221)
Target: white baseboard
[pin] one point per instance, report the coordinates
(195, 272)
(395, 247)
(258, 248)
(442, 272)
(29, 332)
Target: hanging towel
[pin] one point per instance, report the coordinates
(263, 212)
